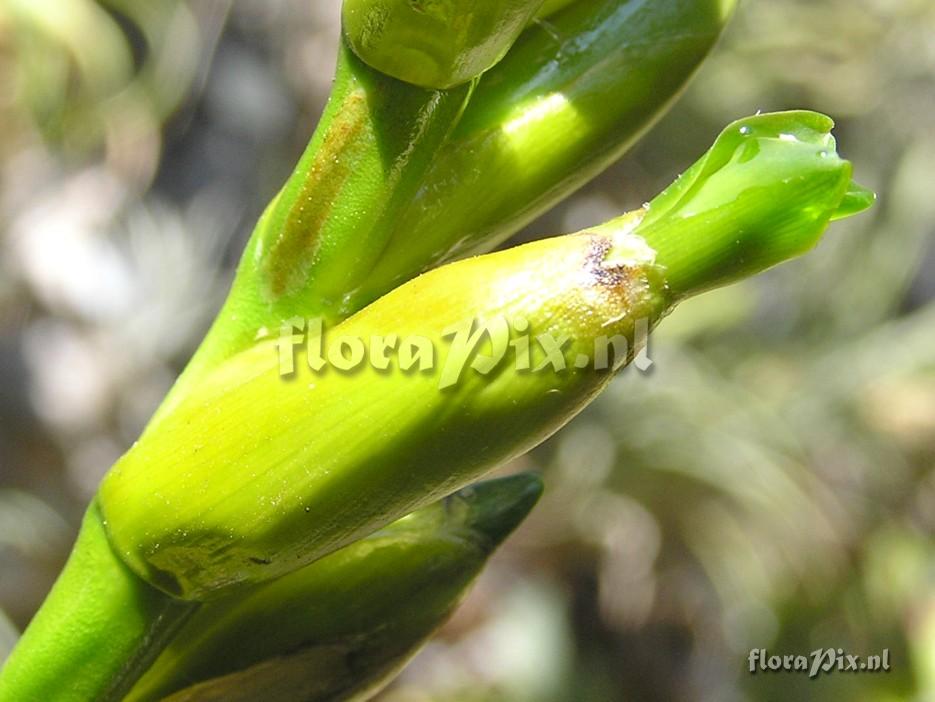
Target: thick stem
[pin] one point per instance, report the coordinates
(97, 632)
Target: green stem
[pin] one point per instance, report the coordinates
(97, 632)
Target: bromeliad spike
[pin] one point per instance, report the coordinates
(253, 475)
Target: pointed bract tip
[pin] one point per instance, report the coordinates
(492, 509)
(857, 199)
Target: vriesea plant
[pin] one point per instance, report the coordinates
(267, 477)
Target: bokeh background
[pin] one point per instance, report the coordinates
(768, 484)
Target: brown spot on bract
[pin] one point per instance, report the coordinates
(610, 276)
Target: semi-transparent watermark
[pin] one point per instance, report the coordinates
(481, 346)
(821, 661)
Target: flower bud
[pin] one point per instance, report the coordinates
(763, 193)
(253, 474)
(345, 624)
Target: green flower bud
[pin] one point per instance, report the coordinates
(253, 475)
(435, 43)
(765, 191)
(346, 624)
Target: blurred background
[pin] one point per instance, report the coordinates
(769, 484)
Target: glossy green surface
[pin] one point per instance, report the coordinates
(550, 7)
(570, 97)
(574, 93)
(435, 44)
(763, 193)
(341, 626)
(328, 224)
(245, 476)
(337, 217)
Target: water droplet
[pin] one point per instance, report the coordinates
(746, 131)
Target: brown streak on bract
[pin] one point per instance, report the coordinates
(293, 251)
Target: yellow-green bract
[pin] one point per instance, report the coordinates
(339, 628)
(253, 475)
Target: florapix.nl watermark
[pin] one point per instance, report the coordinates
(821, 661)
(480, 346)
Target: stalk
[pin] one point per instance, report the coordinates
(98, 630)
(323, 236)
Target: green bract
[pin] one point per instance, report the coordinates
(571, 96)
(337, 629)
(435, 43)
(253, 474)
